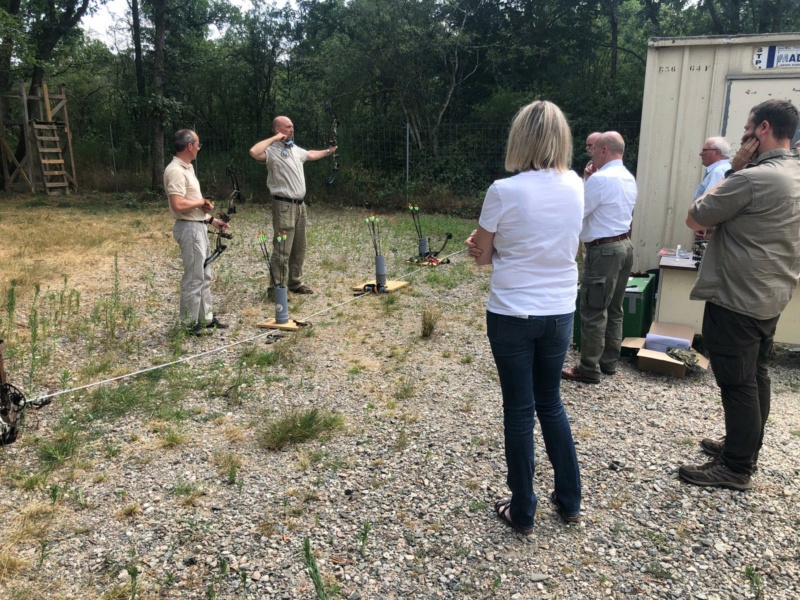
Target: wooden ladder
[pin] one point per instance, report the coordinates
(51, 157)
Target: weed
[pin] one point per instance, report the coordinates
(430, 317)
(187, 492)
(756, 582)
(172, 438)
(656, 570)
(228, 464)
(129, 510)
(362, 536)
(355, 370)
(43, 553)
(111, 403)
(313, 570)
(11, 309)
(466, 359)
(133, 573)
(306, 460)
(795, 432)
(62, 447)
(401, 443)
(54, 492)
(298, 426)
(405, 389)
(477, 505)
(266, 528)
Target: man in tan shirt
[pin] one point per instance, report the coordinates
(191, 212)
(287, 185)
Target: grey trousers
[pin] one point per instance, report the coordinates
(288, 257)
(605, 276)
(192, 237)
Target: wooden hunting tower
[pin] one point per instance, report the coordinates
(42, 160)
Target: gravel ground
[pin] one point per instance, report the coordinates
(398, 504)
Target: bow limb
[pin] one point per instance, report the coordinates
(332, 143)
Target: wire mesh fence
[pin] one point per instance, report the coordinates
(461, 160)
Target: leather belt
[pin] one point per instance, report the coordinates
(282, 199)
(608, 240)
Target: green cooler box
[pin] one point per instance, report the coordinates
(637, 309)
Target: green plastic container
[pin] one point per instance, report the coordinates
(637, 309)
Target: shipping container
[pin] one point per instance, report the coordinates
(696, 88)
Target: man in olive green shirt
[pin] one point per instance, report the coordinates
(748, 275)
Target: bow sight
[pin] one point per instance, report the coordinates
(12, 405)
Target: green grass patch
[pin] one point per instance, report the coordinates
(64, 444)
(297, 426)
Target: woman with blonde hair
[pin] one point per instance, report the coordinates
(528, 230)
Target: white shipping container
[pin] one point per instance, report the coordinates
(696, 88)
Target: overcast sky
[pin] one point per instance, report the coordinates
(113, 14)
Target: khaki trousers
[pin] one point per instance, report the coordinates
(192, 237)
(288, 256)
(605, 277)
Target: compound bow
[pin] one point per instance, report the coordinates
(332, 143)
(225, 216)
(12, 403)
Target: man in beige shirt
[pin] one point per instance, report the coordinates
(191, 212)
(287, 185)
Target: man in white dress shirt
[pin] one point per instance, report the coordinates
(609, 197)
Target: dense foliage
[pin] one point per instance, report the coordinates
(437, 80)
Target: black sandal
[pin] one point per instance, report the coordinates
(501, 508)
(564, 516)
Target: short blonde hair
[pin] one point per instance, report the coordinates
(539, 139)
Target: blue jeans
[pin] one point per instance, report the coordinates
(529, 354)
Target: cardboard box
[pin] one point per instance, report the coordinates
(660, 362)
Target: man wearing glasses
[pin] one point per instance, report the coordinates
(714, 157)
(191, 213)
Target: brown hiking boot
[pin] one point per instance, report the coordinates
(715, 448)
(714, 474)
(712, 447)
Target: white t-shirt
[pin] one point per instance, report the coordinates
(536, 219)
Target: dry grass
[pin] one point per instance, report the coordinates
(129, 510)
(11, 563)
(31, 523)
(234, 433)
(60, 236)
(225, 461)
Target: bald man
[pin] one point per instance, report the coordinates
(287, 185)
(609, 197)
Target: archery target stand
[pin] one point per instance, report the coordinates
(368, 286)
(291, 325)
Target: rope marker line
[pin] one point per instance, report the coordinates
(218, 349)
